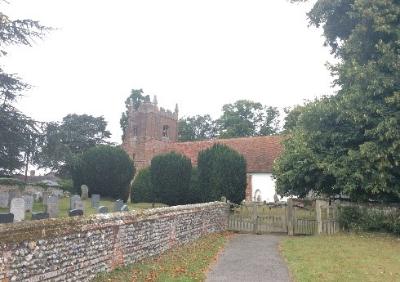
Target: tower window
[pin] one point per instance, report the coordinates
(135, 131)
(165, 131)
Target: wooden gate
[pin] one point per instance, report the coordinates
(296, 217)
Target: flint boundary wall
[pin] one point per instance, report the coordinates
(76, 249)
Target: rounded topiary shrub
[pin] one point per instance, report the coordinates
(170, 178)
(107, 170)
(222, 172)
(142, 191)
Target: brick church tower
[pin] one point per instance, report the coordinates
(150, 130)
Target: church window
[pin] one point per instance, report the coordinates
(165, 131)
(135, 131)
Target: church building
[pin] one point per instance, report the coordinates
(152, 131)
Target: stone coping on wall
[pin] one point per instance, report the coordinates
(55, 227)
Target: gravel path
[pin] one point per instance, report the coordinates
(250, 258)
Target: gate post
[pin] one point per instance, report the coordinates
(290, 217)
(318, 205)
(255, 218)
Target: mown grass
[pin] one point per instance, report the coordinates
(343, 257)
(183, 263)
(64, 207)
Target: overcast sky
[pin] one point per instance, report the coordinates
(200, 54)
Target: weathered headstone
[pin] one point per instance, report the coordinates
(95, 200)
(79, 205)
(4, 199)
(28, 202)
(85, 192)
(72, 201)
(11, 195)
(102, 209)
(75, 212)
(118, 205)
(17, 208)
(37, 196)
(45, 196)
(124, 208)
(6, 218)
(52, 206)
(40, 215)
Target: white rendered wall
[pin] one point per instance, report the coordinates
(265, 184)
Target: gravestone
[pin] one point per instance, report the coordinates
(40, 215)
(85, 192)
(72, 201)
(75, 212)
(6, 218)
(17, 208)
(118, 205)
(52, 206)
(95, 200)
(37, 196)
(102, 209)
(124, 208)
(79, 205)
(28, 202)
(11, 195)
(45, 196)
(4, 199)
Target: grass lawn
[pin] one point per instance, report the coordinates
(343, 257)
(184, 263)
(64, 207)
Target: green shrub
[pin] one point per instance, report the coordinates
(66, 184)
(142, 191)
(11, 182)
(194, 195)
(170, 178)
(222, 172)
(106, 170)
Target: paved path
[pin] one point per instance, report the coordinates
(250, 258)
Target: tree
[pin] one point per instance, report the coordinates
(142, 190)
(196, 128)
(246, 118)
(17, 131)
(136, 98)
(107, 171)
(73, 136)
(222, 172)
(170, 178)
(354, 136)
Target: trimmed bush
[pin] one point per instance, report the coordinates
(106, 170)
(170, 178)
(142, 190)
(194, 195)
(222, 172)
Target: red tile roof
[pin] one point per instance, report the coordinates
(259, 152)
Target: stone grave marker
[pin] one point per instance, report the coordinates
(40, 215)
(118, 205)
(11, 195)
(6, 218)
(28, 202)
(79, 205)
(4, 199)
(95, 200)
(75, 212)
(37, 196)
(72, 201)
(17, 208)
(102, 209)
(124, 208)
(85, 192)
(52, 206)
(45, 196)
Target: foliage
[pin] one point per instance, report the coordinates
(170, 178)
(142, 190)
(246, 118)
(11, 182)
(342, 257)
(73, 136)
(196, 128)
(18, 133)
(136, 98)
(349, 143)
(106, 170)
(195, 191)
(355, 218)
(222, 172)
(183, 263)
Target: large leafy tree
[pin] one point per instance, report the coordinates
(196, 128)
(246, 118)
(351, 140)
(18, 133)
(136, 98)
(73, 136)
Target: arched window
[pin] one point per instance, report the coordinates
(165, 131)
(257, 196)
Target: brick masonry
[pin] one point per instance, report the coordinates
(76, 249)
